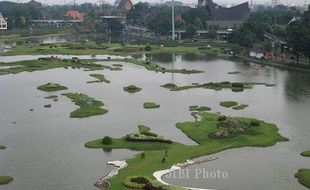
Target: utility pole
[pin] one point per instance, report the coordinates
(173, 24)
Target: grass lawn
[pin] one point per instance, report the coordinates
(306, 153)
(5, 180)
(88, 105)
(267, 135)
(50, 87)
(150, 105)
(303, 176)
(100, 77)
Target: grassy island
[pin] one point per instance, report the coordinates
(240, 107)
(199, 108)
(5, 180)
(100, 77)
(50, 87)
(229, 104)
(235, 86)
(2, 147)
(150, 105)
(306, 153)
(303, 176)
(132, 89)
(88, 105)
(159, 155)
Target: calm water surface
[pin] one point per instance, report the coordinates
(45, 147)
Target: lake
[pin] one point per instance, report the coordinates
(45, 148)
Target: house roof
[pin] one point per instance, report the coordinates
(239, 12)
(122, 4)
(1, 16)
(75, 14)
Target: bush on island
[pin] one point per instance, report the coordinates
(107, 140)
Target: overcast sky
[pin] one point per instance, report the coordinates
(154, 1)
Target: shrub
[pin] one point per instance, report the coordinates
(148, 48)
(142, 155)
(136, 182)
(222, 118)
(255, 123)
(237, 85)
(163, 160)
(107, 140)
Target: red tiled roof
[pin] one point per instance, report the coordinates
(75, 15)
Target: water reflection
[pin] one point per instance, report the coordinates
(297, 86)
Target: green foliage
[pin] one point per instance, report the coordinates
(228, 104)
(255, 123)
(50, 87)
(299, 34)
(147, 48)
(199, 108)
(240, 107)
(143, 128)
(266, 135)
(100, 77)
(107, 140)
(2, 147)
(303, 176)
(306, 153)
(132, 89)
(88, 105)
(136, 182)
(163, 160)
(142, 155)
(5, 180)
(150, 105)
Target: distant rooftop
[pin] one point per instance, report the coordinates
(1, 16)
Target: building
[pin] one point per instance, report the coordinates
(54, 23)
(222, 17)
(123, 5)
(75, 15)
(3, 23)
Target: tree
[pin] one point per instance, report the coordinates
(190, 31)
(198, 23)
(116, 27)
(107, 140)
(212, 34)
(299, 35)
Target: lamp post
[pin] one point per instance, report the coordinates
(173, 24)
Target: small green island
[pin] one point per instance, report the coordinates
(228, 104)
(2, 147)
(214, 133)
(218, 86)
(100, 77)
(50, 87)
(306, 153)
(303, 176)
(234, 105)
(199, 108)
(150, 105)
(132, 89)
(5, 180)
(88, 106)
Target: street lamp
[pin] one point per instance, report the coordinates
(173, 24)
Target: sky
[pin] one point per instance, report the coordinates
(229, 2)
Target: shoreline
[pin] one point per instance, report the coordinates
(159, 174)
(103, 183)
